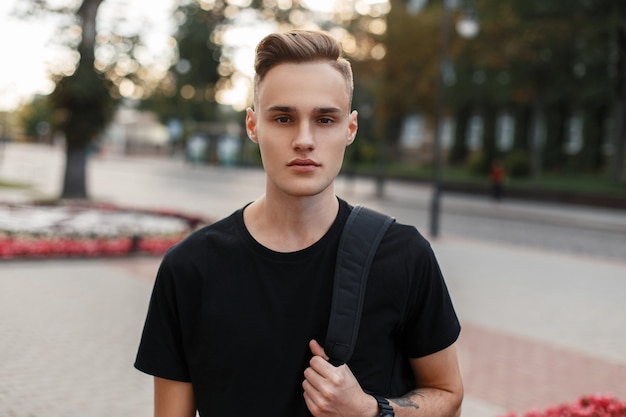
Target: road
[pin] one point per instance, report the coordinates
(543, 226)
(167, 183)
(174, 184)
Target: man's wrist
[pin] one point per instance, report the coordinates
(384, 408)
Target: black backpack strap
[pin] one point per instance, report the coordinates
(359, 241)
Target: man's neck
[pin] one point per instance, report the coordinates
(292, 224)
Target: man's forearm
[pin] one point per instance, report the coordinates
(173, 398)
(428, 402)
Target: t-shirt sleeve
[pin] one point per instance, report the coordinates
(161, 350)
(431, 324)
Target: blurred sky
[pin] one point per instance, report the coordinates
(22, 53)
(26, 50)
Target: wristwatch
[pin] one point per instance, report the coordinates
(384, 408)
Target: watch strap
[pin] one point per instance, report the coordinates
(384, 408)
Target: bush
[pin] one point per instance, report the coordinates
(587, 406)
(517, 164)
(478, 164)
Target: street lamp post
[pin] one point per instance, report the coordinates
(467, 27)
(435, 204)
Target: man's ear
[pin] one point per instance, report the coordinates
(251, 125)
(353, 126)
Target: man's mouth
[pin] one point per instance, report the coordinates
(303, 162)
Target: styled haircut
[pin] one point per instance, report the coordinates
(300, 46)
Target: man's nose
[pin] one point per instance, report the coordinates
(304, 137)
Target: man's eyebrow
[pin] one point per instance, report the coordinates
(326, 110)
(291, 109)
(281, 109)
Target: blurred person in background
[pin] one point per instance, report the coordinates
(497, 175)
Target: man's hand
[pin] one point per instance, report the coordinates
(331, 391)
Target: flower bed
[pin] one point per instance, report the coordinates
(70, 229)
(588, 406)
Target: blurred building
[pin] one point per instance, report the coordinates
(135, 132)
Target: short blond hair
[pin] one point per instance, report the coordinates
(299, 46)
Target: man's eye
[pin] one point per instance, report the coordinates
(282, 119)
(325, 120)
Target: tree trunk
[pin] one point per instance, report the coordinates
(490, 149)
(458, 153)
(87, 13)
(619, 87)
(537, 139)
(75, 178)
(617, 161)
(77, 136)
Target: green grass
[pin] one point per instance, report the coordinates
(591, 184)
(13, 184)
(587, 184)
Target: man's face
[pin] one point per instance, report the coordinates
(302, 123)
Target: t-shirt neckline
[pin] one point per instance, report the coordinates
(333, 233)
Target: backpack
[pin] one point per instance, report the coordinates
(358, 243)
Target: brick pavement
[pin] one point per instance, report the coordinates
(69, 331)
(70, 341)
(516, 373)
(539, 328)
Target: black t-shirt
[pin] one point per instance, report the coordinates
(235, 318)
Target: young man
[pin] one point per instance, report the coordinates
(240, 309)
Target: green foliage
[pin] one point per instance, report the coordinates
(36, 116)
(83, 105)
(361, 153)
(517, 164)
(188, 92)
(82, 102)
(478, 163)
(560, 57)
(591, 184)
(412, 59)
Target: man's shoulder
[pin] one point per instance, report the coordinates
(405, 234)
(408, 231)
(219, 233)
(403, 248)
(399, 234)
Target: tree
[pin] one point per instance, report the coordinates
(576, 70)
(36, 118)
(189, 87)
(81, 100)
(544, 61)
(83, 105)
(85, 96)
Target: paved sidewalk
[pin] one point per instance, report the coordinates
(539, 328)
(69, 330)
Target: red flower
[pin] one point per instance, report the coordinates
(597, 405)
(57, 238)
